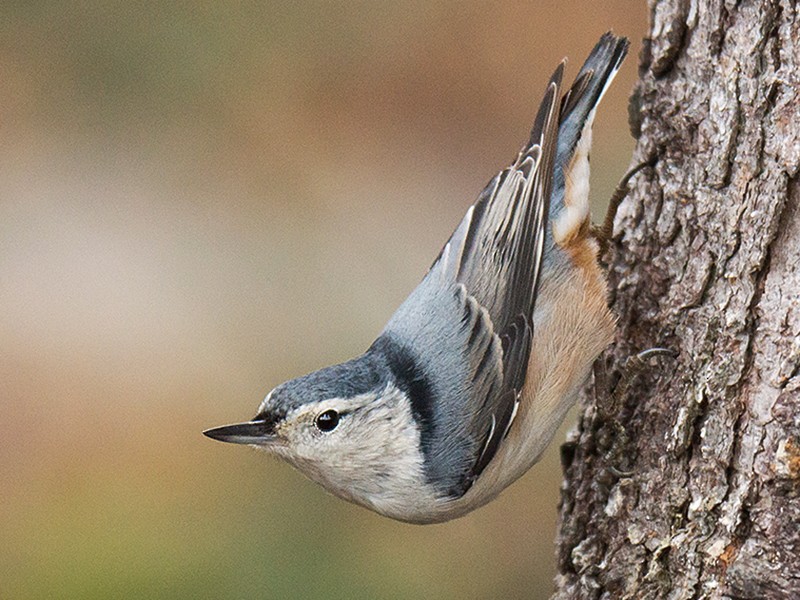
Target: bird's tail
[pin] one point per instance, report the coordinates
(569, 209)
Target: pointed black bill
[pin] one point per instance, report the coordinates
(253, 432)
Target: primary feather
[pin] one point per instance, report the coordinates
(483, 286)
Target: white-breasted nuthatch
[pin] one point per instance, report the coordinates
(471, 377)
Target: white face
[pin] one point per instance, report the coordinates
(364, 449)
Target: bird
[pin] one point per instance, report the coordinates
(467, 383)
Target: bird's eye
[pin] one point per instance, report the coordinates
(327, 421)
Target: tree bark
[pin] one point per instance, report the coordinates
(706, 261)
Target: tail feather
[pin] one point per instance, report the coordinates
(577, 113)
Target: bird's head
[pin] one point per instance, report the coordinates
(348, 428)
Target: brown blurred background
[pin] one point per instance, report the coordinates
(199, 201)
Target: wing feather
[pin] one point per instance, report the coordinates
(467, 329)
(496, 256)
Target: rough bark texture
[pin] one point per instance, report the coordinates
(706, 262)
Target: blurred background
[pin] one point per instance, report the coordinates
(201, 200)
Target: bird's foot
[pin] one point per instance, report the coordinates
(604, 232)
(608, 406)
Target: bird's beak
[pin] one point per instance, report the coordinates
(259, 432)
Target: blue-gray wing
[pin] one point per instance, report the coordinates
(461, 342)
(464, 335)
(496, 255)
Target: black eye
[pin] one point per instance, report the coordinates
(327, 421)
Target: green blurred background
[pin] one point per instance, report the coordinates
(201, 200)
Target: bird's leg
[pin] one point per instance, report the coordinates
(609, 405)
(604, 232)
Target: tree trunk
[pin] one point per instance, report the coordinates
(706, 261)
